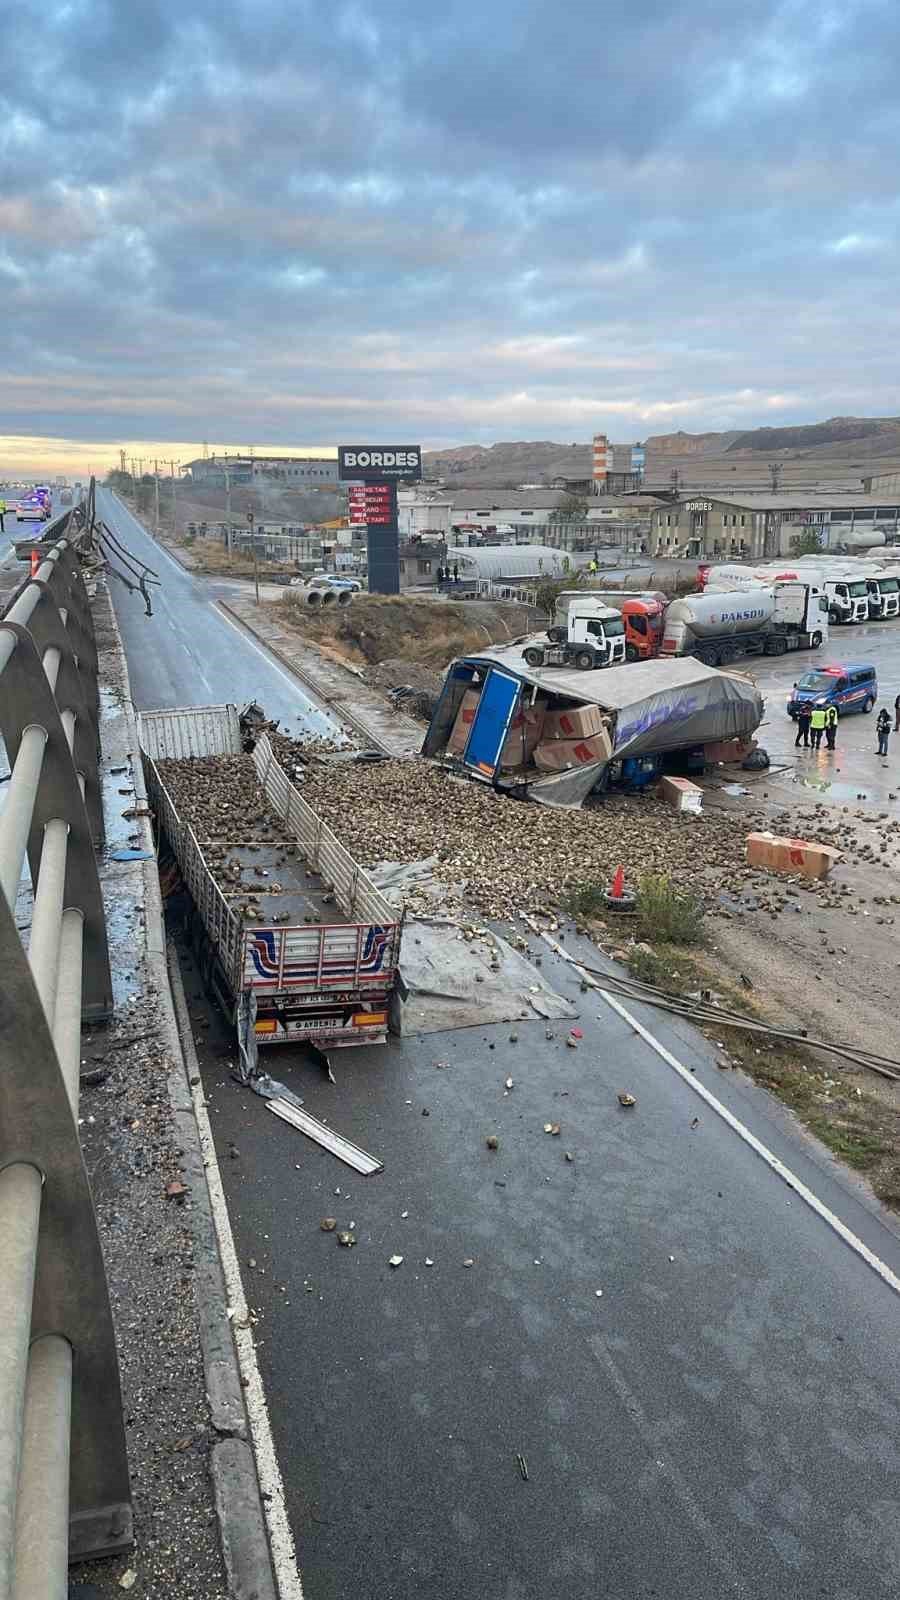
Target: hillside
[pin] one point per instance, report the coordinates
(837, 450)
(836, 431)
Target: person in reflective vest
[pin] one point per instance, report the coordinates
(817, 726)
(831, 725)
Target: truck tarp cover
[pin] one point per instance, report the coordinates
(654, 706)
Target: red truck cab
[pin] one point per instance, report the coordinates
(643, 621)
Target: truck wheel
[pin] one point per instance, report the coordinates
(584, 660)
(534, 658)
(868, 703)
(816, 640)
(630, 653)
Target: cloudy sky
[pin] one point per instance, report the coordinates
(261, 222)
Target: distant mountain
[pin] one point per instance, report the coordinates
(507, 464)
(688, 444)
(837, 430)
(842, 445)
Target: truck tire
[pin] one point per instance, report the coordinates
(630, 653)
(584, 660)
(533, 657)
(816, 641)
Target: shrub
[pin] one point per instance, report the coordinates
(669, 914)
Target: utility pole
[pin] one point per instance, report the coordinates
(156, 493)
(227, 510)
(174, 499)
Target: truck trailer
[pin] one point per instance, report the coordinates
(719, 627)
(847, 592)
(286, 927)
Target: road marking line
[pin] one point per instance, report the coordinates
(271, 1484)
(778, 1167)
(292, 682)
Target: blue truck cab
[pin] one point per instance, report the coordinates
(850, 685)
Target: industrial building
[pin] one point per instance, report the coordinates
(754, 525)
(294, 472)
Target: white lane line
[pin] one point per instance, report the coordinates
(270, 661)
(793, 1182)
(271, 1483)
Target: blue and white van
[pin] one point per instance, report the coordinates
(851, 686)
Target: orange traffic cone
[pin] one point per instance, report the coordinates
(35, 562)
(618, 883)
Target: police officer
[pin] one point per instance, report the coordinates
(831, 724)
(2, 515)
(804, 712)
(817, 726)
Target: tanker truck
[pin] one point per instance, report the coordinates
(847, 593)
(717, 627)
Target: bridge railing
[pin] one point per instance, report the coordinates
(64, 1486)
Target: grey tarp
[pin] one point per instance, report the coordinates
(454, 975)
(654, 706)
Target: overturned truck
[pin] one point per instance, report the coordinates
(558, 736)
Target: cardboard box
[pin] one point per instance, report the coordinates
(774, 854)
(559, 755)
(525, 732)
(462, 727)
(682, 794)
(580, 722)
(728, 750)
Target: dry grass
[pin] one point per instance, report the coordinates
(375, 628)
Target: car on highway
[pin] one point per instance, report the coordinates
(338, 580)
(32, 511)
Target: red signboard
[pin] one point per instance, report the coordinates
(372, 504)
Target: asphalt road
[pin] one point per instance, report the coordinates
(189, 652)
(721, 1420)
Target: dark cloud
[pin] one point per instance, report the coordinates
(286, 221)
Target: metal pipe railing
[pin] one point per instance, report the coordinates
(53, 1296)
(15, 819)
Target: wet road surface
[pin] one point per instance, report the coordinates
(721, 1420)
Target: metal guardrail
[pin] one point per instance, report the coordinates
(64, 1485)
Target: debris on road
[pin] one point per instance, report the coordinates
(469, 1262)
(492, 1142)
(360, 1160)
(176, 1190)
(328, 1224)
(346, 1239)
(395, 1261)
(522, 1465)
(625, 1099)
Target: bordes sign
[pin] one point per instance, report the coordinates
(376, 463)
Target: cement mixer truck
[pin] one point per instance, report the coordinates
(718, 627)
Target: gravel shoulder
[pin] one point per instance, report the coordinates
(133, 1149)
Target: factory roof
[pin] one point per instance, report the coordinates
(510, 560)
(788, 500)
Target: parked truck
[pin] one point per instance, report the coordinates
(286, 927)
(847, 593)
(586, 633)
(718, 627)
(642, 612)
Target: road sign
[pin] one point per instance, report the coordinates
(374, 463)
